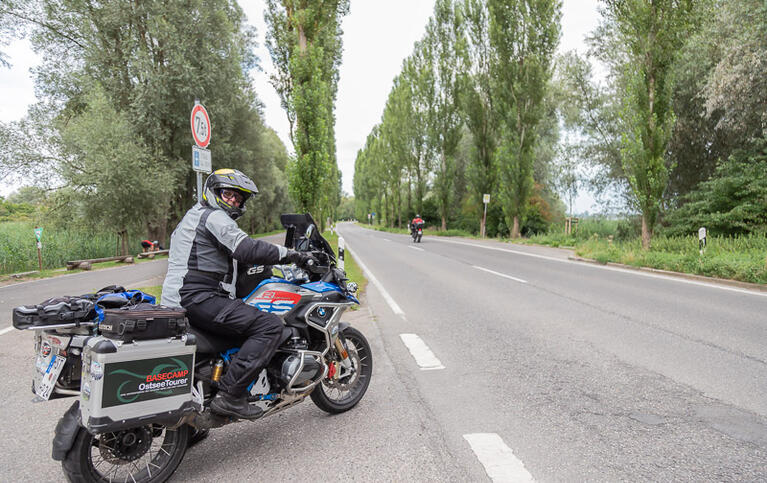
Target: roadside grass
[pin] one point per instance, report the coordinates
(734, 258)
(18, 249)
(155, 290)
(353, 271)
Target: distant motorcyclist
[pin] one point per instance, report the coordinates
(416, 221)
(205, 249)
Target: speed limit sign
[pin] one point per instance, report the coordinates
(200, 125)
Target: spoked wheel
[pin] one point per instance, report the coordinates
(346, 387)
(145, 454)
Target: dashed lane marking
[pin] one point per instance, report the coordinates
(500, 274)
(6, 330)
(423, 356)
(416, 248)
(499, 461)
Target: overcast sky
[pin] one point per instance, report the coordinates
(378, 35)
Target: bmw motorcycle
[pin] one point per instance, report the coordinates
(127, 434)
(417, 232)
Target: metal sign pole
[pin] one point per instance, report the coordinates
(199, 187)
(485, 200)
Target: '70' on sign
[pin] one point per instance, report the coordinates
(200, 126)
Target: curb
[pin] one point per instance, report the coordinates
(724, 281)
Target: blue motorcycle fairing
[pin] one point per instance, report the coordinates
(323, 287)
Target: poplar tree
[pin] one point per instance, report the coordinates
(304, 39)
(652, 32)
(477, 104)
(445, 50)
(524, 35)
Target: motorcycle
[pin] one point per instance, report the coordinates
(417, 232)
(136, 426)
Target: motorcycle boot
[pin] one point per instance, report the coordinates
(236, 407)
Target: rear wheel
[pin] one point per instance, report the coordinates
(343, 391)
(145, 454)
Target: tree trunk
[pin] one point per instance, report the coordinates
(515, 228)
(646, 233)
(444, 223)
(124, 237)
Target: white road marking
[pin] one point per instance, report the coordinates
(389, 300)
(500, 274)
(416, 248)
(423, 356)
(614, 269)
(6, 330)
(385, 239)
(499, 461)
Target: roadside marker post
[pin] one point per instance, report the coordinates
(485, 200)
(39, 237)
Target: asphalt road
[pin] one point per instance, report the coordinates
(584, 372)
(492, 362)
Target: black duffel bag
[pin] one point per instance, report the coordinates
(143, 321)
(54, 311)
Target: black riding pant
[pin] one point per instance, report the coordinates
(234, 318)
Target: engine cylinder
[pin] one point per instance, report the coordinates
(290, 365)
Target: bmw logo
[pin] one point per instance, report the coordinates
(321, 312)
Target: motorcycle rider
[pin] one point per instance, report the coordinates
(416, 221)
(205, 249)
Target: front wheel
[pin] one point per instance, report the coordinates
(343, 391)
(145, 454)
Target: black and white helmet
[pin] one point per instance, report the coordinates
(232, 179)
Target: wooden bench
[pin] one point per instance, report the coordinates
(87, 264)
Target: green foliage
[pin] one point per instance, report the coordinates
(132, 74)
(524, 36)
(651, 34)
(18, 249)
(304, 39)
(109, 196)
(15, 211)
(732, 202)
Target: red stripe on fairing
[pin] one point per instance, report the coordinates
(277, 296)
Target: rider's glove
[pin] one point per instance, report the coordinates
(302, 259)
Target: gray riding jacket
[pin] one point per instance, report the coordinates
(204, 250)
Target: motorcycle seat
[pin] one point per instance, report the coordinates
(209, 343)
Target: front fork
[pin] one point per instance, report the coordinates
(345, 361)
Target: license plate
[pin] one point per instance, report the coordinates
(48, 365)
